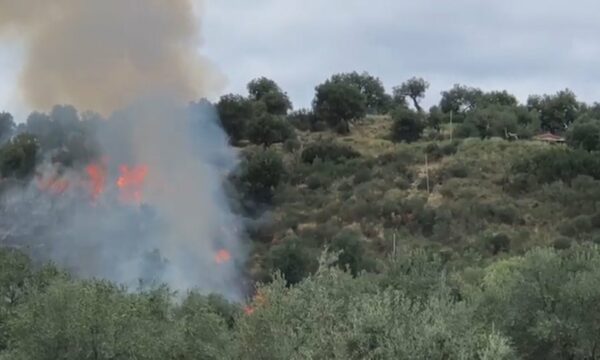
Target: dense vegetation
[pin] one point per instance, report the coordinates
(379, 230)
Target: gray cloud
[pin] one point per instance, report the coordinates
(524, 46)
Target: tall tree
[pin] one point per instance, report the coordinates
(235, 112)
(338, 104)
(414, 89)
(556, 111)
(267, 91)
(376, 99)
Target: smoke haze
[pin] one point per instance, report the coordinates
(136, 63)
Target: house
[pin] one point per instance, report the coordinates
(549, 138)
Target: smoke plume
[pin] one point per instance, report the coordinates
(157, 209)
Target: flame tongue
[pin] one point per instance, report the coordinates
(222, 256)
(131, 182)
(97, 177)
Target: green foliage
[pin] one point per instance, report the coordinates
(7, 126)
(328, 151)
(584, 134)
(556, 111)
(292, 259)
(376, 100)
(267, 129)
(18, 157)
(556, 164)
(261, 174)
(408, 125)
(270, 94)
(414, 89)
(460, 99)
(545, 301)
(350, 246)
(305, 120)
(339, 103)
(234, 112)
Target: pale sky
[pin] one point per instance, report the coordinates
(524, 46)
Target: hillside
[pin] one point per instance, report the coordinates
(381, 198)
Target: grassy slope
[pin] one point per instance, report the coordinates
(467, 204)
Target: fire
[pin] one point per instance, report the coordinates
(248, 310)
(131, 182)
(259, 300)
(97, 177)
(222, 256)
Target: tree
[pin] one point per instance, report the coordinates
(292, 259)
(234, 111)
(376, 100)
(499, 98)
(489, 121)
(460, 99)
(268, 129)
(338, 104)
(18, 157)
(414, 89)
(7, 126)
(267, 91)
(261, 174)
(408, 125)
(584, 134)
(556, 111)
(352, 251)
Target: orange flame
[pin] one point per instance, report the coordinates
(248, 310)
(97, 175)
(222, 256)
(259, 300)
(131, 182)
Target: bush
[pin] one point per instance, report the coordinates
(584, 135)
(292, 145)
(577, 226)
(328, 151)
(408, 125)
(269, 129)
(363, 175)
(270, 94)
(261, 174)
(338, 104)
(304, 120)
(557, 163)
(352, 256)
(293, 259)
(497, 243)
(562, 243)
(316, 181)
(234, 112)
(18, 157)
(455, 170)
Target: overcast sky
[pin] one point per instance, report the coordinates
(524, 46)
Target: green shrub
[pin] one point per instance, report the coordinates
(497, 243)
(562, 243)
(267, 129)
(352, 252)
(292, 259)
(292, 145)
(408, 125)
(261, 174)
(363, 175)
(328, 151)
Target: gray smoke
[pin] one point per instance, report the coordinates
(136, 62)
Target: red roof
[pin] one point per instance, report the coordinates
(549, 137)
